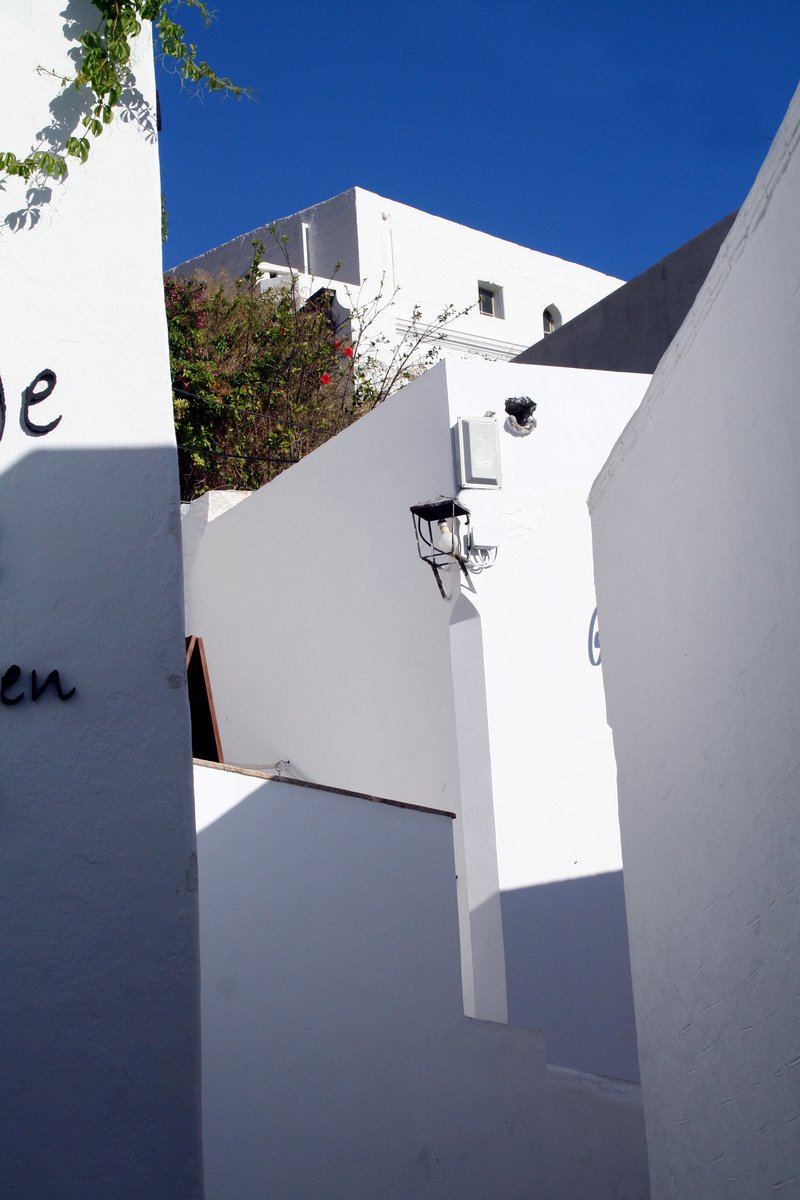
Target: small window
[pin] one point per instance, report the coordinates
(490, 300)
(551, 319)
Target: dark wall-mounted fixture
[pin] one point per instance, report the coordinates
(442, 529)
(520, 419)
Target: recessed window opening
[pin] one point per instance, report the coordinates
(551, 319)
(490, 300)
(486, 301)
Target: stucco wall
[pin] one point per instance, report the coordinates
(630, 329)
(433, 262)
(99, 1070)
(332, 241)
(553, 775)
(336, 1059)
(329, 645)
(372, 246)
(195, 519)
(697, 553)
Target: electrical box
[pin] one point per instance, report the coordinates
(477, 452)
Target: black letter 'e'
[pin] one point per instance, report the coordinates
(8, 680)
(30, 397)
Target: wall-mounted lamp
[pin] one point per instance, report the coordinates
(442, 529)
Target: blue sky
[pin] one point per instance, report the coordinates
(607, 133)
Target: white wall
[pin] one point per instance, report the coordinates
(329, 645)
(553, 764)
(553, 774)
(336, 1059)
(434, 262)
(697, 551)
(100, 1059)
(195, 519)
(370, 246)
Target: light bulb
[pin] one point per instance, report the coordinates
(447, 538)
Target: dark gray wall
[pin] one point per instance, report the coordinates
(630, 329)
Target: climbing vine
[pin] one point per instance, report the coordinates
(102, 56)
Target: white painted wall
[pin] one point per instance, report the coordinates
(370, 246)
(195, 519)
(99, 1009)
(553, 765)
(553, 774)
(697, 551)
(336, 1058)
(434, 262)
(329, 645)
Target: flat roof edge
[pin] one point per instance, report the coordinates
(320, 787)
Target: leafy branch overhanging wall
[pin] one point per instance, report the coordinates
(101, 57)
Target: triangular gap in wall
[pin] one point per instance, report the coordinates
(206, 742)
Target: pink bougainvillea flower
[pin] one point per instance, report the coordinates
(325, 378)
(348, 351)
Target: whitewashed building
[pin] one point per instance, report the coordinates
(379, 254)
(329, 645)
(696, 527)
(99, 1010)
(419, 830)
(337, 1060)
(339, 663)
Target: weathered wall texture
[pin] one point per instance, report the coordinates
(99, 1068)
(329, 645)
(336, 1059)
(697, 557)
